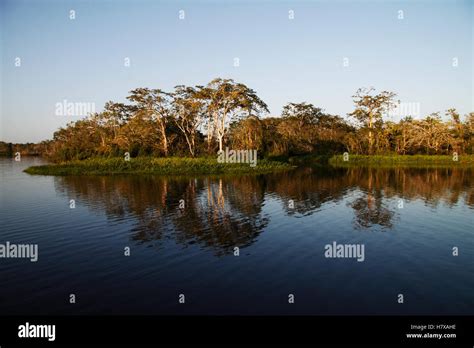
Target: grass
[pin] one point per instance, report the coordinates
(184, 166)
(160, 166)
(402, 161)
(309, 160)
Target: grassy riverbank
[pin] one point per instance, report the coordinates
(150, 165)
(402, 161)
(183, 166)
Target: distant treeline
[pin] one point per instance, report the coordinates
(200, 120)
(28, 149)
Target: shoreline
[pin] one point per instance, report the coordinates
(206, 166)
(410, 161)
(156, 166)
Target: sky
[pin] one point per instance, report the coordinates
(421, 50)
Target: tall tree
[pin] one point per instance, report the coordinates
(457, 129)
(227, 101)
(188, 110)
(369, 108)
(156, 105)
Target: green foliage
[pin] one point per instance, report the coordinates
(197, 121)
(150, 165)
(402, 161)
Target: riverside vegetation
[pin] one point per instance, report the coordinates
(150, 165)
(183, 130)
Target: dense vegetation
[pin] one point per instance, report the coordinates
(28, 149)
(198, 121)
(438, 161)
(151, 165)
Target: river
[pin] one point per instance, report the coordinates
(239, 245)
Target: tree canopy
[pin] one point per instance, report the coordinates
(200, 120)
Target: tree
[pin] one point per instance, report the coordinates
(308, 128)
(369, 109)
(155, 105)
(469, 132)
(430, 135)
(188, 107)
(305, 113)
(227, 101)
(247, 133)
(457, 129)
(298, 127)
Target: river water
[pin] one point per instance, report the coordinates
(183, 234)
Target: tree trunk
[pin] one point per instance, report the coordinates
(209, 135)
(190, 144)
(165, 140)
(220, 142)
(370, 133)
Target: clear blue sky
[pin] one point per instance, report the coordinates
(284, 60)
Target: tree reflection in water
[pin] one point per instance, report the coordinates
(224, 212)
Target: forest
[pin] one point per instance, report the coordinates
(199, 121)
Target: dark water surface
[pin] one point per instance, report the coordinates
(190, 251)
